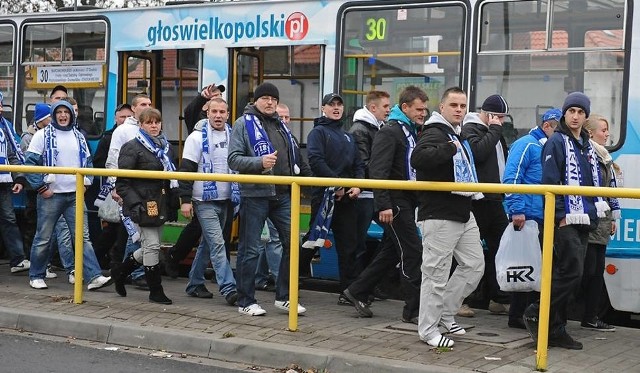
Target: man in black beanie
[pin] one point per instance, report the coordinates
(262, 144)
(568, 159)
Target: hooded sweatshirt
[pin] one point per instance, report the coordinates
(364, 129)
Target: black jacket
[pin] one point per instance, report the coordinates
(388, 162)
(433, 160)
(483, 140)
(139, 195)
(193, 112)
(363, 133)
(102, 151)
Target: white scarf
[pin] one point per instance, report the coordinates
(464, 169)
(50, 154)
(161, 152)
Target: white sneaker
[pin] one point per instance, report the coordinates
(252, 310)
(50, 274)
(454, 328)
(99, 282)
(72, 277)
(38, 284)
(284, 305)
(22, 266)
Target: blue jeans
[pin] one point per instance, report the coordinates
(212, 216)
(62, 235)
(8, 227)
(254, 211)
(269, 258)
(49, 211)
(130, 249)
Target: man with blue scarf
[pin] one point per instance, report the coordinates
(60, 144)
(390, 160)
(261, 144)
(446, 222)
(206, 151)
(10, 153)
(568, 159)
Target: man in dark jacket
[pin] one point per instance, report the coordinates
(390, 156)
(333, 153)
(483, 131)
(445, 219)
(366, 123)
(568, 159)
(261, 144)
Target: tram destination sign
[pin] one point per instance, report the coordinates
(72, 76)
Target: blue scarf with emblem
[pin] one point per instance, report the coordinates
(261, 144)
(209, 188)
(409, 129)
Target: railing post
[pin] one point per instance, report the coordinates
(294, 256)
(79, 238)
(545, 290)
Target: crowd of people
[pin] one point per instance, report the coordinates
(432, 239)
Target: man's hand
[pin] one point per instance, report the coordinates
(17, 188)
(613, 227)
(494, 119)
(269, 160)
(353, 193)
(47, 194)
(339, 193)
(386, 216)
(187, 210)
(518, 221)
(116, 197)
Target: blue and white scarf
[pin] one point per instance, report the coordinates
(464, 169)
(261, 144)
(11, 134)
(615, 177)
(209, 188)
(161, 152)
(50, 153)
(409, 129)
(322, 220)
(130, 226)
(574, 205)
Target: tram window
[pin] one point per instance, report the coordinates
(535, 59)
(390, 47)
(71, 54)
(7, 69)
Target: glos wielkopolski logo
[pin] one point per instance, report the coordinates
(293, 27)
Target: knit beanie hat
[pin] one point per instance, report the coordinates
(266, 89)
(577, 99)
(495, 104)
(42, 112)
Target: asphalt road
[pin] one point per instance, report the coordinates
(30, 353)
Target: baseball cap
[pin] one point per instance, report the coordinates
(330, 97)
(552, 114)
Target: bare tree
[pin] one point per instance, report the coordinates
(42, 6)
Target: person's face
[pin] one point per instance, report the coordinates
(283, 113)
(63, 116)
(416, 111)
(575, 118)
(549, 127)
(152, 127)
(75, 110)
(43, 123)
(454, 108)
(380, 108)
(142, 104)
(333, 110)
(57, 96)
(218, 115)
(601, 134)
(122, 115)
(266, 105)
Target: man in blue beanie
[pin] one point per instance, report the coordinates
(568, 159)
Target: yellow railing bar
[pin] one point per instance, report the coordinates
(549, 192)
(400, 54)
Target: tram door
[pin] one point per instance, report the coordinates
(294, 69)
(169, 78)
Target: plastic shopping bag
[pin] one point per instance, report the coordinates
(519, 259)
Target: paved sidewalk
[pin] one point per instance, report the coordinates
(330, 337)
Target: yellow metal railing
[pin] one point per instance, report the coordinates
(549, 192)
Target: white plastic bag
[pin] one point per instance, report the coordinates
(519, 259)
(109, 210)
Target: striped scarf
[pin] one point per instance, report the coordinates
(161, 151)
(50, 154)
(209, 188)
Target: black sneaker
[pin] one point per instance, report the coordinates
(344, 301)
(410, 320)
(599, 325)
(201, 291)
(517, 324)
(361, 307)
(564, 340)
(530, 319)
(231, 298)
(171, 267)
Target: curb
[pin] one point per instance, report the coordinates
(233, 349)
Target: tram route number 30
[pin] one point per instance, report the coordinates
(375, 29)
